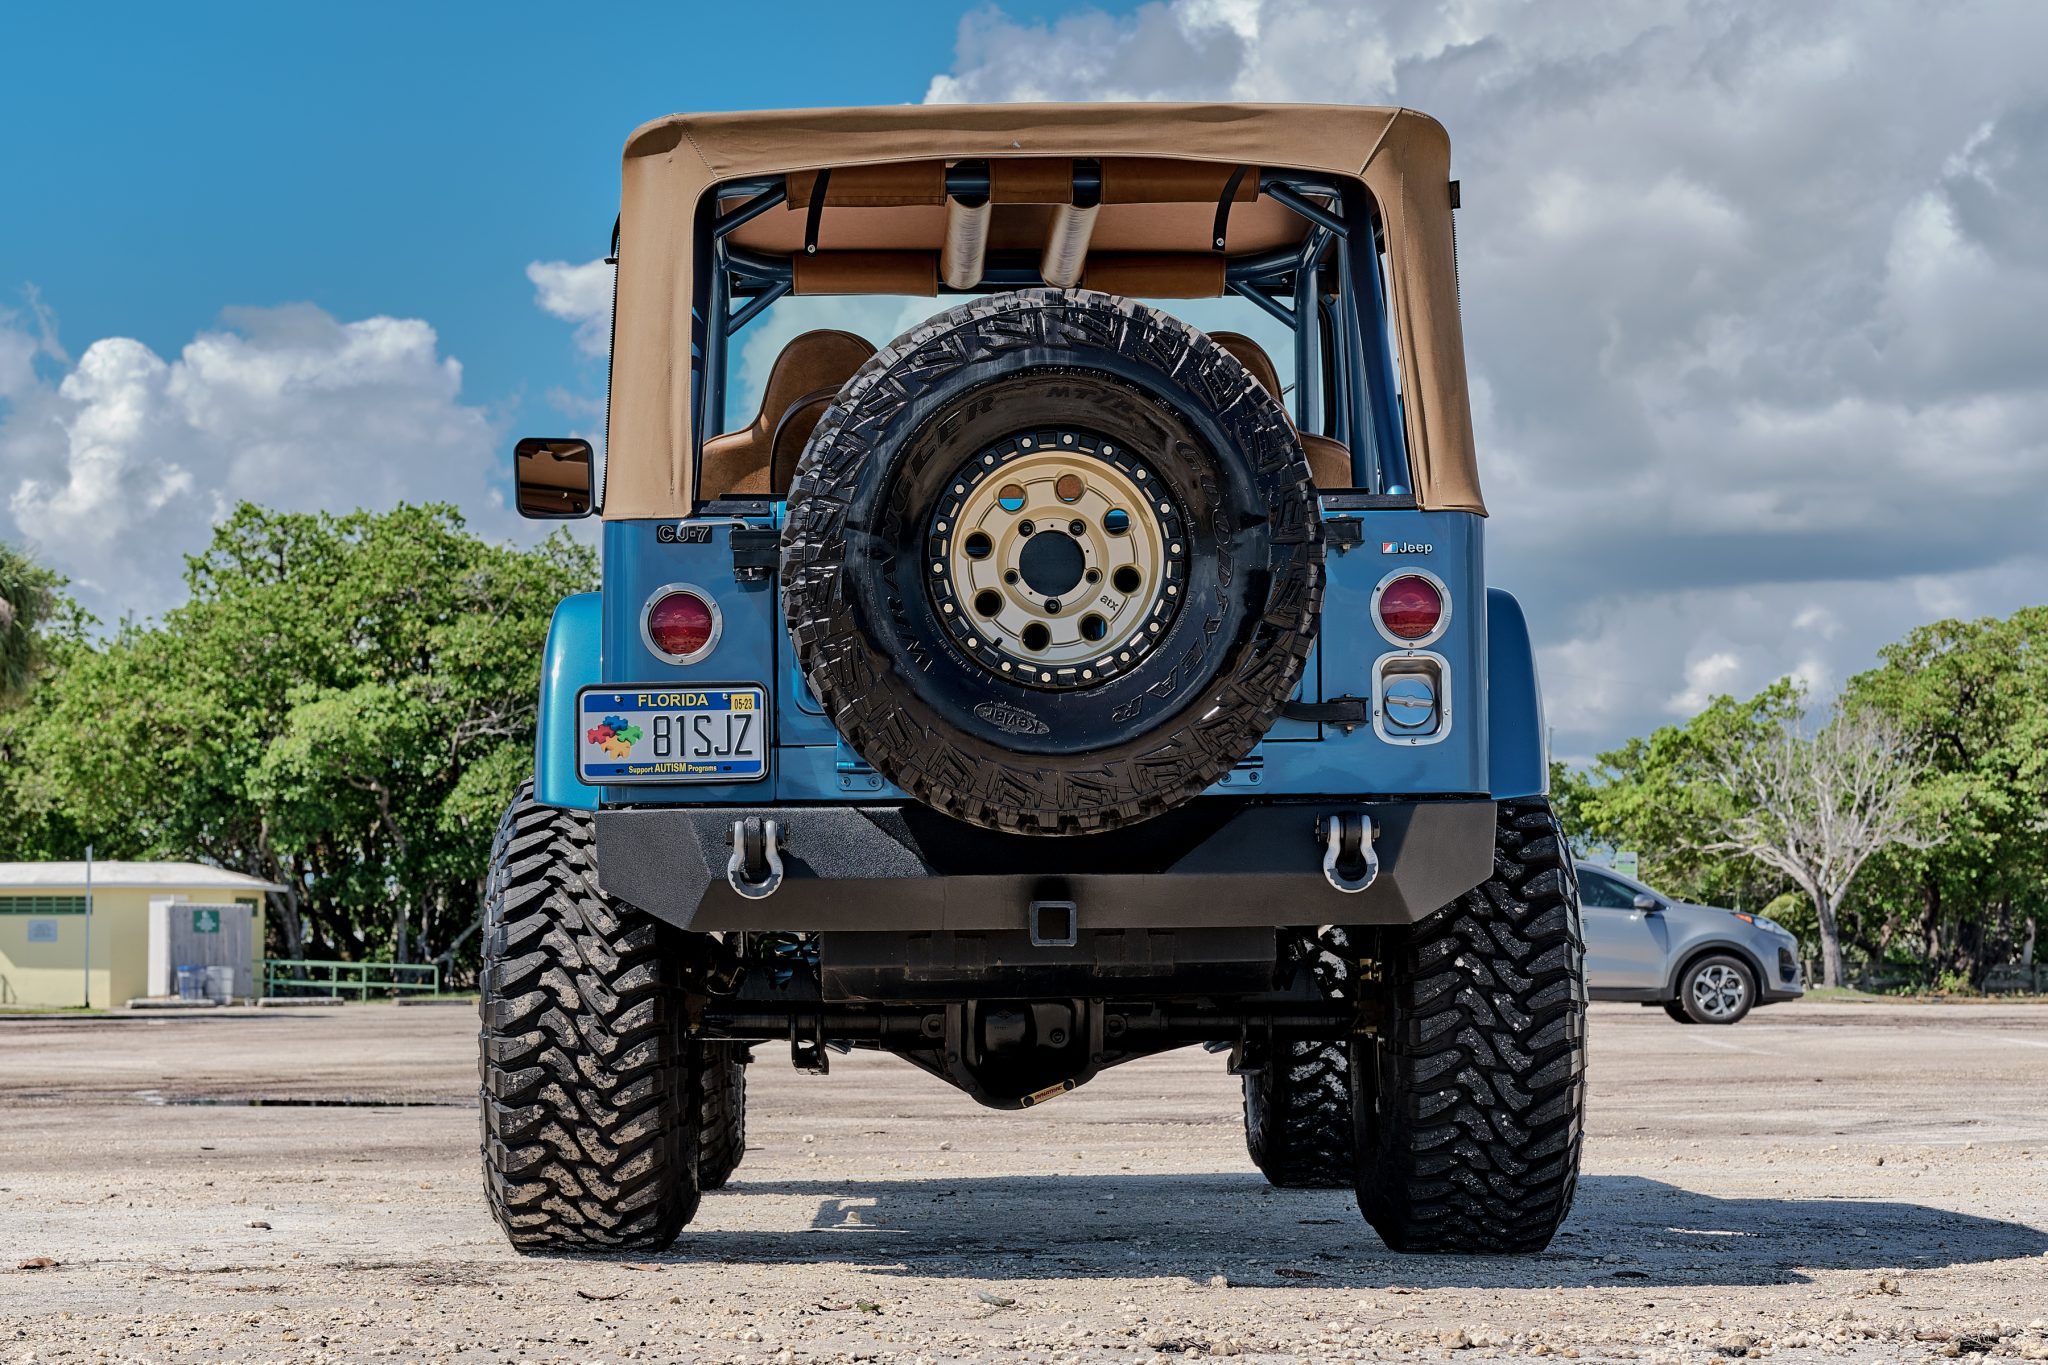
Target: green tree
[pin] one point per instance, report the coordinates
(1972, 697)
(1976, 695)
(1660, 796)
(46, 633)
(344, 705)
(1816, 806)
(28, 601)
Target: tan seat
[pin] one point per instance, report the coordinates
(1329, 460)
(760, 458)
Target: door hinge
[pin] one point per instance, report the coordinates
(1347, 713)
(1343, 534)
(756, 551)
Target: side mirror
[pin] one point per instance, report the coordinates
(553, 476)
(1647, 903)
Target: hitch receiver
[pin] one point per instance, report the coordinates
(1054, 924)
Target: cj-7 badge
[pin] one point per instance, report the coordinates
(1013, 720)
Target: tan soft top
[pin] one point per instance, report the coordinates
(1402, 156)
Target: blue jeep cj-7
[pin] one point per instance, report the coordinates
(1101, 666)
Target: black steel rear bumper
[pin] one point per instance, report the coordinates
(1215, 862)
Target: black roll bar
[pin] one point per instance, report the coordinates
(1361, 351)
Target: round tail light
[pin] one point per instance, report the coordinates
(1411, 607)
(681, 624)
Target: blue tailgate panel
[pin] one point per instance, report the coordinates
(639, 562)
(1298, 758)
(1447, 545)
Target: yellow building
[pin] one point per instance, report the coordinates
(142, 916)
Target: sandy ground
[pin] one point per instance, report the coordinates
(1848, 1181)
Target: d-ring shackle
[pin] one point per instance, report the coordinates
(755, 872)
(1348, 842)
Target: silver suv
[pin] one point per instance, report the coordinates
(1703, 964)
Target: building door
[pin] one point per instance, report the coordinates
(196, 937)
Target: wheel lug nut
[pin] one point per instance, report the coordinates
(1077, 527)
(1052, 604)
(1025, 528)
(1009, 575)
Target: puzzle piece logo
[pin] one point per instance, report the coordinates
(614, 736)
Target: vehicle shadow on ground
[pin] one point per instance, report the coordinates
(1624, 1231)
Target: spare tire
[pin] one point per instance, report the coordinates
(1053, 562)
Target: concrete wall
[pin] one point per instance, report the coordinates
(52, 973)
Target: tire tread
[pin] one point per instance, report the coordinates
(858, 684)
(721, 1114)
(582, 1067)
(1471, 1106)
(1297, 1117)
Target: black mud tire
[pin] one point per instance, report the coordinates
(589, 1124)
(1470, 1104)
(721, 1113)
(1297, 1107)
(990, 748)
(1297, 1117)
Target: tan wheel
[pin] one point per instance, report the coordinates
(1057, 559)
(1030, 434)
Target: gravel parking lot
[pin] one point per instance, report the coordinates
(1848, 1180)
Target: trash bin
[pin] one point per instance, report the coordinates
(191, 983)
(220, 985)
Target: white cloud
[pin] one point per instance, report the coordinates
(1648, 656)
(1752, 296)
(21, 347)
(581, 294)
(1817, 622)
(17, 358)
(1706, 677)
(1814, 677)
(114, 471)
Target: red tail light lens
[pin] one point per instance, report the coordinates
(682, 625)
(1411, 607)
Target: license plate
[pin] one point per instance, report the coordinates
(672, 734)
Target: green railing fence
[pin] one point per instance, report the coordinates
(314, 976)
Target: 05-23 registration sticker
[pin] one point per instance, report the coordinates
(672, 734)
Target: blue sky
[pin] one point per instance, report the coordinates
(165, 162)
(1752, 291)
